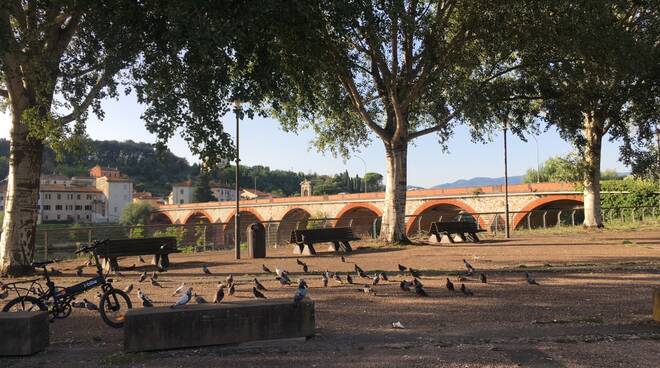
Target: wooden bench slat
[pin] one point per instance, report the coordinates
(306, 238)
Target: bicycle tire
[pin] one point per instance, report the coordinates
(23, 300)
(105, 301)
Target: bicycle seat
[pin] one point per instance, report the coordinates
(41, 264)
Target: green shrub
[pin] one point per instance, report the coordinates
(641, 193)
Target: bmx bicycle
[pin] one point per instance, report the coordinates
(57, 300)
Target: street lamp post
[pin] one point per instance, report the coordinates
(506, 187)
(365, 172)
(237, 216)
(538, 165)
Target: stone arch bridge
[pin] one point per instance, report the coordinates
(530, 205)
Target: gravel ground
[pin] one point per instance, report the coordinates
(592, 309)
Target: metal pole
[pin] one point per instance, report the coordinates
(538, 165)
(365, 172)
(507, 234)
(237, 216)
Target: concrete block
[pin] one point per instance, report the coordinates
(148, 329)
(23, 333)
(656, 305)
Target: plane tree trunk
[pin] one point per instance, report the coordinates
(17, 244)
(593, 134)
(393, 229)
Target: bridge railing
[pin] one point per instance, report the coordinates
(60, 242)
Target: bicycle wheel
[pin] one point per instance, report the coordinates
(25, 304)
(114, 305)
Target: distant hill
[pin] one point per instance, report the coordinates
(480, 182)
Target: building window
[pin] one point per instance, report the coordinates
(58, 207)
(38, 207)
(89, 197)
(59, 196)
(46, 207)
(58, 217)
(181, 201)
(115, 209)
(87, 217)
(88, 207)
(78, 196)
(78, 207)
(45, 217)
(181, 191)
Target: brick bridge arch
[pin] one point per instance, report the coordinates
(161, 218)
(248, 216)
(544, 201)
(360, 216)
(452, 207)
(197, 214)
(294, 218)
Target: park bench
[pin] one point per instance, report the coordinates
(465, 230)
(340, 237)
(160, 248)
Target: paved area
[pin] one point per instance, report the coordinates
(592, 309)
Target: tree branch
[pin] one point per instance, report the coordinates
(348, 82)
(98, 86)
(429, 130)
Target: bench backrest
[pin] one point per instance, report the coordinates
(143, 246)
(323, 235)
(453, 227)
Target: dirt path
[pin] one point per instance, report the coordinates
(592, 309)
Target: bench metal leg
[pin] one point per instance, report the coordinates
(297, 249)
(475, 238)
(308, 250)
(447, 236)
(156, 260)
(165, 261)
(461, 237)
(346, 247)
(111, 265)
(435, 239)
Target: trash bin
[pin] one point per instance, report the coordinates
(256, 235)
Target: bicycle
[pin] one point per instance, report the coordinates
(57, 300)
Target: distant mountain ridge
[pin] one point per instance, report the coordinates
(480, 182)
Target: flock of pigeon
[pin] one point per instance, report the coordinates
(185, 293)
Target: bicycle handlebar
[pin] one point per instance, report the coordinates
(91, 247)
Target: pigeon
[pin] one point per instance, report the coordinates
(128, 289)
(154, 275)
(179, 289)
(415, 273)
(404, 285)
(140, 259)
(302, 284)
(160, 268)
(155, 283)
(363, 274)
(229, 279)
(349, 279)
(257, 294)
(468, 266)
(130, 268)
(200, 299)
(4, 293)
(419, 290)
(343, 259)
(375, 280)
(258, 285)
(143, 276)
(55, 272)
(466, 291)
(483, 278)
(266, 269)
(337, 278)
(79, 270)
(305, 268)
(299, 262)
(279, 272)
(367, 289)
(417, 283)
(383, 276)
(184, 299)
(324, 278)
(146, 302)
(206, 270)
(301, 292)
(231, 290)
(530, 279)
(461, 278)
(220, 294)
(90, 305)
(402, 268)
(358, 269)
(450, 285)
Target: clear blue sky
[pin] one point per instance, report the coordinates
(264, 143)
